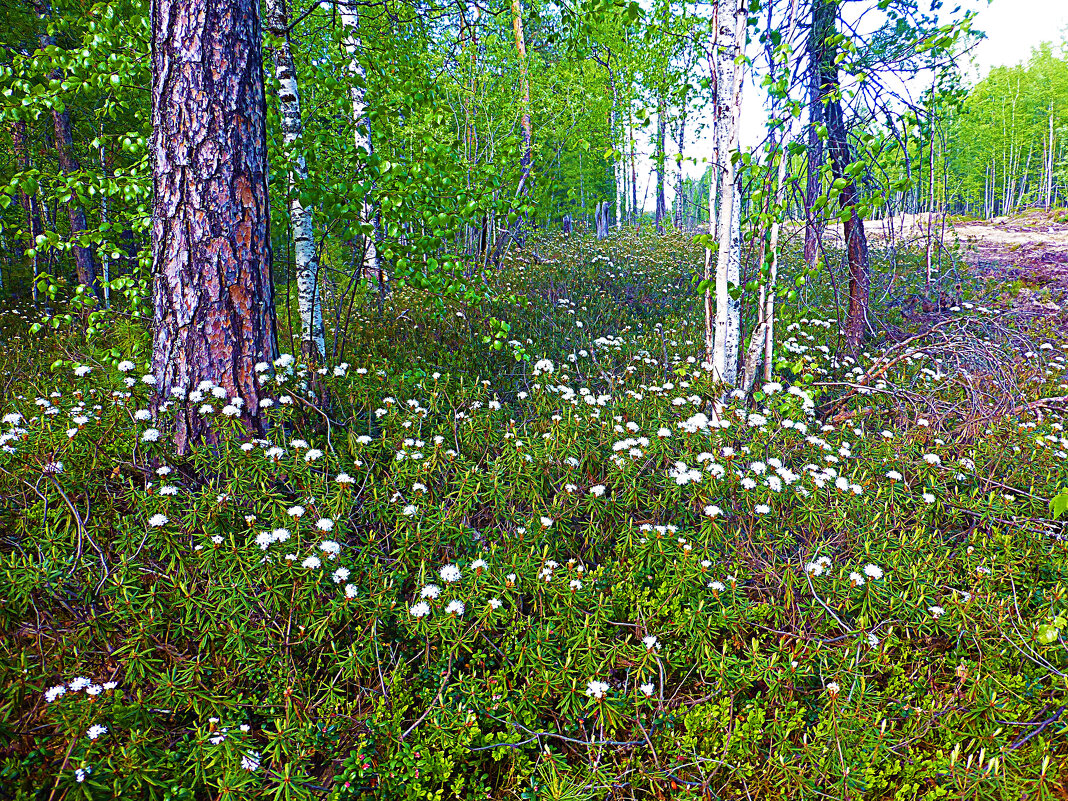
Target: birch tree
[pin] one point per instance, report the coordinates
(762, 341)
(729, 19)
(309, 303)
(526, 158)
(353, 43)
(660, 159)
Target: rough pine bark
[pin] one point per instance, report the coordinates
(84, 263)
(211, 247)
(309, 302)
(824, 14)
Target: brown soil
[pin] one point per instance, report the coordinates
(1032, 248)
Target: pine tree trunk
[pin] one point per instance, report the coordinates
(824, 14)
(84, 263)
(211, 246)
(309, 303)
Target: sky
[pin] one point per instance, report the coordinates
(1013, 29)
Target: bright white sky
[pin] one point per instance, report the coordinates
(1013, 29)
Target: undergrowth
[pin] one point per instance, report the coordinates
(557, 570)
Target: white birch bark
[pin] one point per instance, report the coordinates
(1048, 167)
(680, 192)
(309, 302)
(730, 20)
(734, 279)
(618, 186)
(350, 19)
(763, 339)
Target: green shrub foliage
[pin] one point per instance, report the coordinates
(562, 569)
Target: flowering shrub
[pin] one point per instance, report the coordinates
(571, 575)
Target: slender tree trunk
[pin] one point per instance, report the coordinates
(734, 279)
(763, 337)
(1021, 191)
(309, 303)
(1048, 188)
(373, 269)
(660, 161)
(129, 243)
(931, 209)
(993, 189)
(680, 194)
(474, 232)
(526, 159)
(619, 183)
(28, 201)
(84, 263)
(824, 14)
(815, 156)
(709, 279)
(211, 245)
(731, 16)
(773, 271)
(105, 218)
(633, 171)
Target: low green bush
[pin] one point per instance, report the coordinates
(559, 570)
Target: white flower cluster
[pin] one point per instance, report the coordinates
(80, 684)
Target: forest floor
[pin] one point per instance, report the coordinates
(1030, 248)
(1022, 257)
(543, 569)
